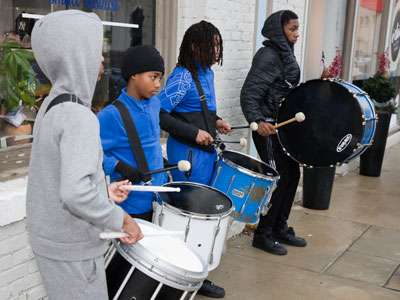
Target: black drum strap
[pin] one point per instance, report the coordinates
(133, 136)
(203, 102)
(63, 98)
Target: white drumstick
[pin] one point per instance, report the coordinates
(150, 188)
(117, 235)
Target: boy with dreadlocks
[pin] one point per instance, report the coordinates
(190, 121)
(182, 114)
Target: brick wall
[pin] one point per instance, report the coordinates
(19, 275)
(235, 21)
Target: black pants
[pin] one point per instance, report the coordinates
(283, 197)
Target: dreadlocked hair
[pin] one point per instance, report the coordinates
(198, 46)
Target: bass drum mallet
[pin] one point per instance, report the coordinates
(183, 166)
(299, 117)
(253, 126)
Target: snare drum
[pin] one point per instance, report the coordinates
(201, 212)
(339, 125)
(249, 182)
(162, 268)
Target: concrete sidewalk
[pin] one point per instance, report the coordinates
(353, 249)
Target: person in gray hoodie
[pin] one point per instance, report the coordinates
(67, 200)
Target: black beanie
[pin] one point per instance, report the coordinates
(141, 59)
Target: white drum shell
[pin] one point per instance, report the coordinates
(201, 231)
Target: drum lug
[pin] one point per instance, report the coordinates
(248, 195)
(266, 208)
(259, 207)
(161, 216)
(338, 164)
(217, 229)
(187, 229)
(216, 176)
(232, 180)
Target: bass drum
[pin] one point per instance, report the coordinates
(339, 125)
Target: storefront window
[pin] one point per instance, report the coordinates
(116, 40)
(367, 39)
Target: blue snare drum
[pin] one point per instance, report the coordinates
(249, 182)
(339, 125)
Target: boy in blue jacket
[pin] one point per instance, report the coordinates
(142, 68)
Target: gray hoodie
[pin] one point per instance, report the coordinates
(67, 201)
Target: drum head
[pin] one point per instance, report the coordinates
(164, 258)
(250, 164)
(197, 198)
(332, 128)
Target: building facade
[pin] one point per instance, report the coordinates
(359, 28)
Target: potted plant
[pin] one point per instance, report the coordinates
(17, 87)
(318, 182)
(381, 90)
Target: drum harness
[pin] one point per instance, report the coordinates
(134, 140)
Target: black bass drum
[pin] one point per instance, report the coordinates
(339, 123)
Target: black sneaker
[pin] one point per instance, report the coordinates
(211, 290)
(268, 243)
(287, 236)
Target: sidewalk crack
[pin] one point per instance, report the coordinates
(339, 255)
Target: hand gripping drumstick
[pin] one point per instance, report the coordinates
(253, 126)
(299, 117)
(117, 235)
(183, 166)
(150, 188)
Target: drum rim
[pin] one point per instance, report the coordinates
(172, 275)
(247, 171)
(197, 215)
(362, 147)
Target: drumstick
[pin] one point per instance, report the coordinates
(253, 126)
(242, 142)
(117, 235)
(299, 117)
(183, 166)
(150, 188)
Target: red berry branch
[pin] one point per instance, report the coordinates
(384, 62)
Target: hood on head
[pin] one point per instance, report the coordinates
(67, 46)
(273, 30)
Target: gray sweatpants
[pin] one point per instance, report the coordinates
(73, 280)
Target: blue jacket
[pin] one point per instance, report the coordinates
(116, 146)
(181, 112)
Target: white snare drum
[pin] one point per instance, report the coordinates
(201, 212)
(155, 268)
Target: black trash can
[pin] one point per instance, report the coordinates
(371, 160)
(317, 187)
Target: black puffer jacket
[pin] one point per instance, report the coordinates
(264, 86)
